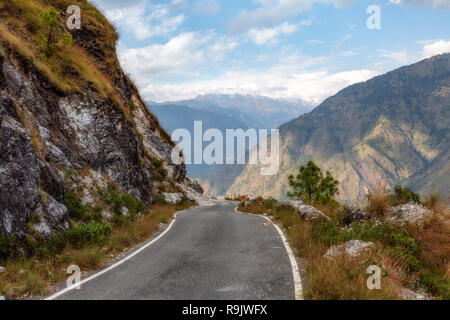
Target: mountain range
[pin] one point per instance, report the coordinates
(254, 111)
(392, 129)
(224, 112)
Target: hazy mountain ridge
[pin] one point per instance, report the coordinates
(224, 112)
(254, 111)
(172, 117)
(392, 129)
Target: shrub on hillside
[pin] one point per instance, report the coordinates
(89, 233)
(404, 195)
(75, 206)
(311, 186)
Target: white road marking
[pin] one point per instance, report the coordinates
(60, 293)
(295, 270)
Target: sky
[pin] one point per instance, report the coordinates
(290, 49)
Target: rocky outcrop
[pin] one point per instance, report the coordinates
(305, 211)
(308, 212)
(47, 134)
(173, 198)
(411, 213)
(408, 294)
(352, 248)
(355, 214)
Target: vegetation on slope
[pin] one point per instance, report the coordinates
(81, 59)
(392, 129)
(411, 255)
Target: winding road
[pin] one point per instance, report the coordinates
(207, 253)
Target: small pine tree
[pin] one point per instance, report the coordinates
(310, 185)
(52, 32)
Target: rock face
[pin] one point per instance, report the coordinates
(352, 248)
(173, 197)
(411, 213)
(45, 134)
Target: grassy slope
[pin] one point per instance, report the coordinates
(410, 255)
(90, 61)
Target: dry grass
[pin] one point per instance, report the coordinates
(409, 255)
(378, 201)
(28, 277)
(342, 278)
(345, 278)
(70, 68)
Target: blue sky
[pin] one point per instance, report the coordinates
(293, 49)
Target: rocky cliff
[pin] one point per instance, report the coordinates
(72, 117)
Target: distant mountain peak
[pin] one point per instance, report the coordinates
(392, 129)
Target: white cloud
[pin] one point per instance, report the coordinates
(316, 42)
(400, 56)
(144, 20)
(294, 76)
(185, 54)
(206, 7)
(436, 48)
(273, 12)
(312, 87)
(269, 35)
(442, 4)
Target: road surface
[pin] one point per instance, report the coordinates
(210, 252)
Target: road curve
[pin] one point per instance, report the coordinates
(210, 252)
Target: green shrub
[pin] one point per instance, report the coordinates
(159, 199)
(8, 247)
(120, 220)
(89, 233)
(75, 206)
(95, 214)
(116, 201)
(269, 203)
(57, 244)
(133, 205)
(404, 195)
(159, 173)
(113, 199)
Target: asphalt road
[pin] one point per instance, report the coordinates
(210, 252)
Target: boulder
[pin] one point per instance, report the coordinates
(305, 211)
(352, 248)
(408, 294)
(411, 213)
(2, 269)
(173, 198)
(310, 213)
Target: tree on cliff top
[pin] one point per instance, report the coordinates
(52, 32)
